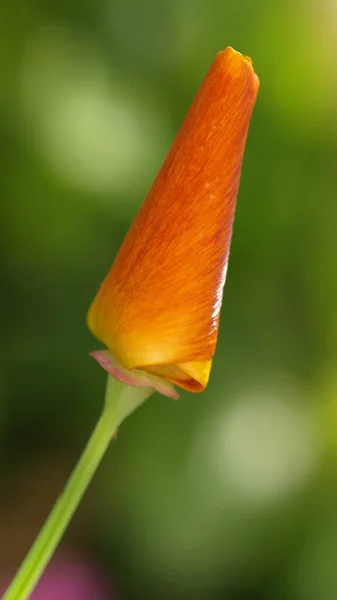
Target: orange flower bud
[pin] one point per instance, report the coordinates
(158, 308)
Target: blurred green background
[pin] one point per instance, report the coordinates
(226, 495)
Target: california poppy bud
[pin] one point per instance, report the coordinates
(158, 308)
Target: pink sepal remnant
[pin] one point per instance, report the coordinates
(133, 377)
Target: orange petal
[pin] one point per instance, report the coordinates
(158, 308)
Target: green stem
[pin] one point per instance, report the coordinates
(120, 401)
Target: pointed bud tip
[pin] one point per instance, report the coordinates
(230, 53)
(237, 60)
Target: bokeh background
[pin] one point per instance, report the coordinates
(227, 495)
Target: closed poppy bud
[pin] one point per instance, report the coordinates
(158, 308)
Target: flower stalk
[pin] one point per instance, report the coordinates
(120, 401)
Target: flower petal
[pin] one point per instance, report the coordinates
(158, 308)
